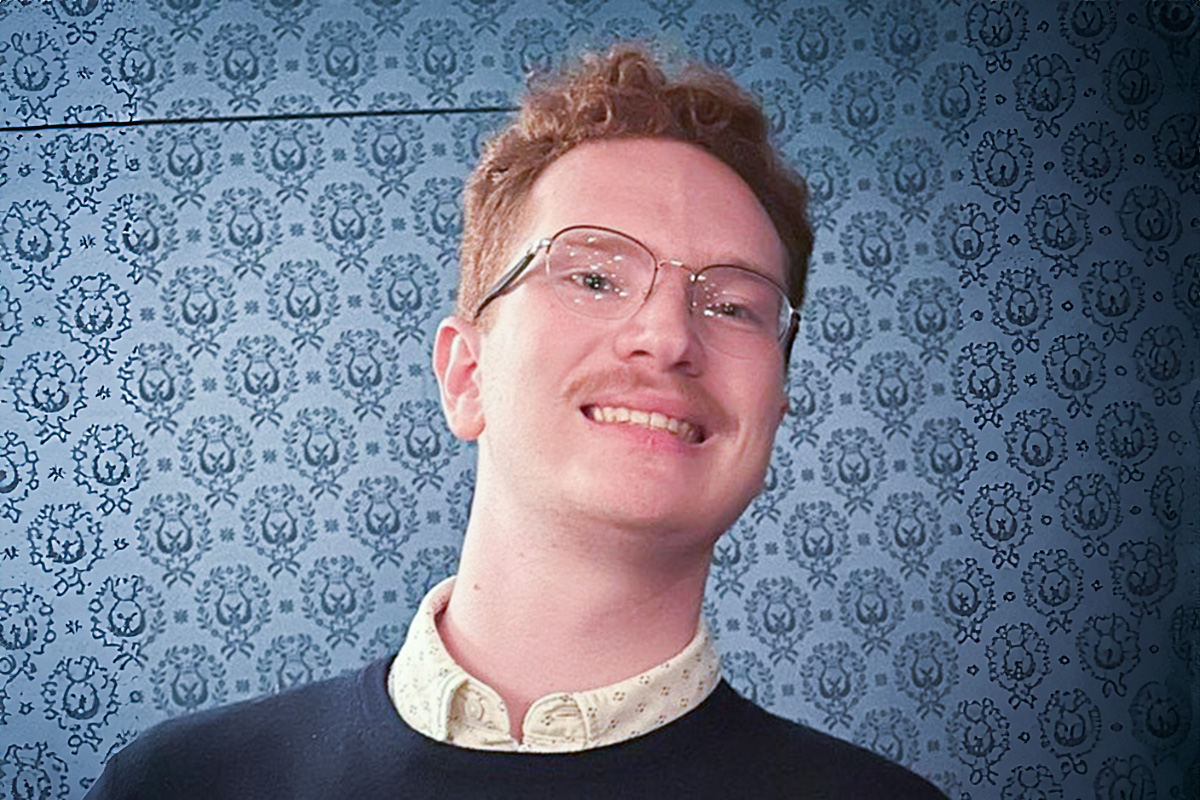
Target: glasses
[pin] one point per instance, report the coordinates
(605, 274)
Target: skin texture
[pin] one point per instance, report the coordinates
(588, 544)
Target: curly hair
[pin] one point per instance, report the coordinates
(624, 93)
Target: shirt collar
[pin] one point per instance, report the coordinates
(440, 700)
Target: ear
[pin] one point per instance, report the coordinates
(785, 402)
(456, 364)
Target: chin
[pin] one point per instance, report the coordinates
(638, 495)
(650, 515)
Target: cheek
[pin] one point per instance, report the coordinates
(758, 413)
(771, 404)
(768, 415)
(523, 377)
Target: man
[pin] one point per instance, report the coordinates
(633, 254)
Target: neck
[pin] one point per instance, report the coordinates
(540, 607)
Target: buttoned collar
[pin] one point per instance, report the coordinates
(440, 700)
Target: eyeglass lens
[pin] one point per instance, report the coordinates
(608, 275)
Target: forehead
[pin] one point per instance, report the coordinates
(676, 198)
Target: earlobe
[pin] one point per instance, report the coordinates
(456, 364)
(785, 403)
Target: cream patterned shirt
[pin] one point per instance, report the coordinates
(437, 698)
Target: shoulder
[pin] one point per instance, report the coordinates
(212, 752)
(265, 719)
(825, 765)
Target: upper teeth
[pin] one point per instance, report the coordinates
(650, 419)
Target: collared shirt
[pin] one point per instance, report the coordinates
(439, 699)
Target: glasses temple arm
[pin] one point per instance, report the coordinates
(789, 337)
(507, 279)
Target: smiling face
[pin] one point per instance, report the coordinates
(632, 423)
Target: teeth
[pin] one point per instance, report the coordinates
(648, 419)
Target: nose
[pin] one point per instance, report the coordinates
(662, 333)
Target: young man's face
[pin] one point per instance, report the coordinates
(555, 388)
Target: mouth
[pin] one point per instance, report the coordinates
(688, 432)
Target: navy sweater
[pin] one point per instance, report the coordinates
(342, 738)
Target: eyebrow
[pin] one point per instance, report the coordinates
(731, 259)
(728, 260)
(741, 263)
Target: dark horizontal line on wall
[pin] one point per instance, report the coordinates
(320, 115)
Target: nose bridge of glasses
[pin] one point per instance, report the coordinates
(663, 318)
(690, 275)
(675, 262)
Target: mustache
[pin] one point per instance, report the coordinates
(700, 404)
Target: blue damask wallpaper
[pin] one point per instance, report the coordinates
(229, 227)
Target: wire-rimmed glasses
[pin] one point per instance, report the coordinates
(605, 274)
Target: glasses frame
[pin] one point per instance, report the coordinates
(786, 335)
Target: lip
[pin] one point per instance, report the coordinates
(665, 417)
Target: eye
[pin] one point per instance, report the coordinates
(596, 282)
(732, 315)
(740, 309)
(594, 279)
(729, 310)
(736, 299)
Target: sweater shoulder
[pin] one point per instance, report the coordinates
(294, 712)
(227, 746)
(824, 764)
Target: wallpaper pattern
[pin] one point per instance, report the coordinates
(228, 228)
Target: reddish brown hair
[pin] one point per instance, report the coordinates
(624, 93)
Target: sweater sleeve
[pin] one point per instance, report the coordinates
(107, 786)
(134, 773)
(313, 741)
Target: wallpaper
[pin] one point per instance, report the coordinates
(228, 229)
